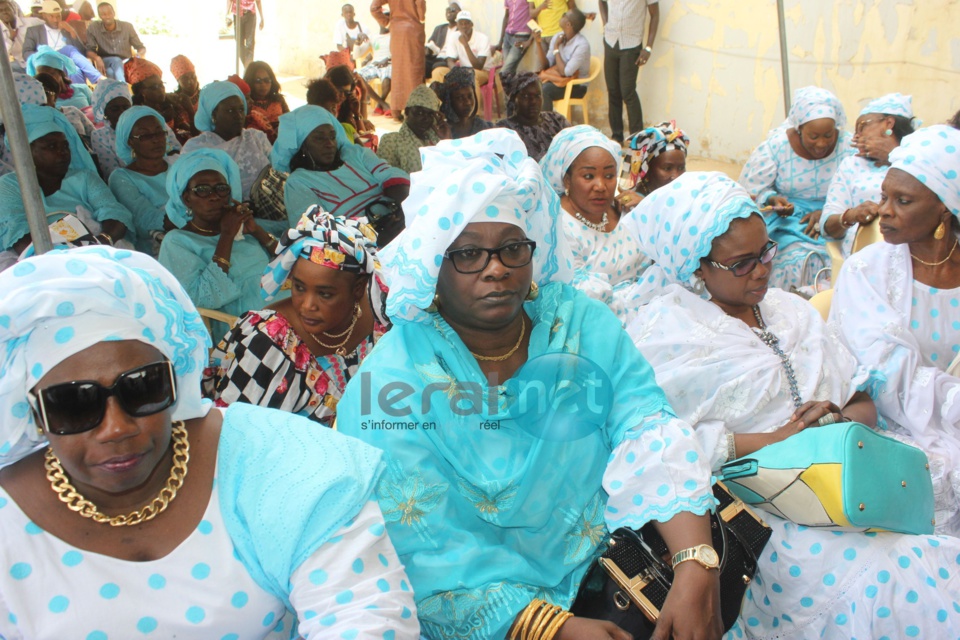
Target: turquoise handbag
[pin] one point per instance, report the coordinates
(844, 477)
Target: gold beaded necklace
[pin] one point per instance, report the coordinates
(75, 501)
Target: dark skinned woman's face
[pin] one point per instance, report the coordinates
(529, 102)
(148, 139)
(51, 154)
(464, 102)
(909, 211)
(229, 117)
(115, 109)
(153, 91)
(320, 145)
(665, 168)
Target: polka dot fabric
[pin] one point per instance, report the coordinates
(29, 91)
(813, 103)
(91, 294)
(935, 323)
(49, 589)
(892, 104)
(932, 156)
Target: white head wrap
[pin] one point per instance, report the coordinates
(932, 156)
(892, 104)
(812, 103)
(567, 146)
(56, 305)
(487, 177)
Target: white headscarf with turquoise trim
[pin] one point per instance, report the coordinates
(892, 104)
(56, 305)
(567, 147)
(486, 177)
(677, 224)
(813, 103)
(932, 156)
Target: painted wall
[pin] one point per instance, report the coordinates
(716, 63)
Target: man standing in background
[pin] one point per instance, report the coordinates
(246, 31)
(623, 53)
(113, 41)
(547, 13)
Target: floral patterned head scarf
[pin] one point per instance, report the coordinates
(181, 65)
(336, 243)
(644, 146)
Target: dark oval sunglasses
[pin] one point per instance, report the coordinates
(746, 266)
(74, 407)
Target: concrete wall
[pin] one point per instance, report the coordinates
(716, 63)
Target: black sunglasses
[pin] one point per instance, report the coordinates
(476, 259)
(746, 266)
(74, 407)
(207, 190)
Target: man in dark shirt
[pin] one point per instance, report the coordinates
(112, 41)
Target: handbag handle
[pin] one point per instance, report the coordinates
(739, 468)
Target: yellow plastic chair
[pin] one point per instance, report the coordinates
(836, 257)
(821, 302)
(565, 105)
(867, 235)
(212, 314)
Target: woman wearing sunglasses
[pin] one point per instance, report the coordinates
(140, 184)
(219, 250)
(300, 354)
(751, 365)
(511, 501)
(327, 170)
(128, 507)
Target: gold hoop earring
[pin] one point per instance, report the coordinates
(534, 291)
(940, 232)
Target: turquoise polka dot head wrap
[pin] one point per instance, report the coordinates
(56, 305)
(125, 123)
(487, 177)
(567, 146)
(677, 224)
(189, 165)
(210, 97)
(107, 90)
(892, 104)
(932, 156)
(813, 103)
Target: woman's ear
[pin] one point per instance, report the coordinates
(360, 286)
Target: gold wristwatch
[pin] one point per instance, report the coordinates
(702, 553)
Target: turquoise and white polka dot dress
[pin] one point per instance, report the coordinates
(856, 181)
(935, 324)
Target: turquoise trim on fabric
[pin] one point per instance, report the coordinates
(737, 207)
(663, 513)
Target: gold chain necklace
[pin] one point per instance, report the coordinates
(937, 264)
(76, 502)
(199, 228)
(340, 349)
(523, 331)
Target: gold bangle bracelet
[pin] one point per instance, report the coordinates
(522, 619)
(542, 614)
(554, 627)
(544, 621)
(221, 261)
(108, 237)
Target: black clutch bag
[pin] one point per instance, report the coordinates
(629, 583)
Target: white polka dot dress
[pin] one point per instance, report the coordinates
(934, 324)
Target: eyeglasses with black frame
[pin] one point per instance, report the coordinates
(746, 266)
(476, 259)
(147, 137)
(207, 190)
(75, 407)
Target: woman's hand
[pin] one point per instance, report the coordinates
(863, 213)
(628, 200)
(589, 629)
(692, 608)
(808, 415)
(235, 218)
(780, 206)
(114, 228)
(877, 148)
(812, 220)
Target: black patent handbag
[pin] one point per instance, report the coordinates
(628, 584)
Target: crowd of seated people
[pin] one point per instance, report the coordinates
(271, 297)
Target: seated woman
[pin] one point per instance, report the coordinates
(513, 516)
(146, 81)
(188, 87)
(401, 149)
(566, 58)
(141, 184)
(171, 537)
(327, 170)
(68, 183)
(29, 91)
(897, 303)
(221, 117)
(218, 251)
(582, 165)
(706, 333)
(854, 194)
(789, 174)
(80, 122)
(54, 63)
(265, 98)
(299, 355)
(535, 127)
(653, 157)
(459, 104)
(110, 99)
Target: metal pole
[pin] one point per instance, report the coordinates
(784, 60)
(236, 33)
(22, 157)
